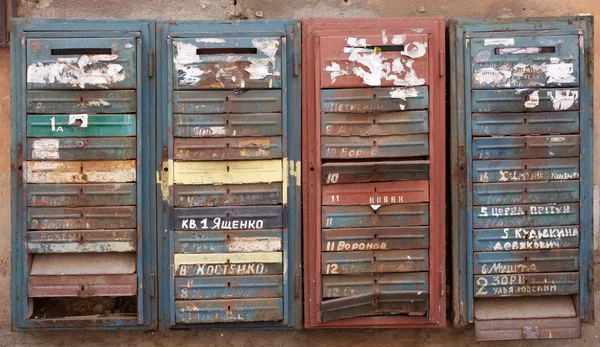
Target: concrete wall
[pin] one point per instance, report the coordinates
(262, 9)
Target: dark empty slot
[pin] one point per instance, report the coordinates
(102, 307)
(526, 50)
(80, 51)
(226, 50)
(391, 48)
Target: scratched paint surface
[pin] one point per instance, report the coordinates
(235, 148)
(525, 123)
(374, 238)
(229, 172)
(374, 100)
(115, 148)
(415, 283)
(385, 193)
(377, 171)
(366, 216)
(525, 192)
(262, 240)
(88, 101)
(364, 262)
(354, 147)
(81, 241)
(520, 147)
(525, 100)
(110, 65)
(48, 218)
(117, 171)
(373, 124)
(563, 260)
(214, 311)
(522, 62)
(227, 101)
(82, 286)
(227, 125)
(73, 195)
(228, 287)
(557, 283)
(532, 238)
(227, 194)
(227, 63)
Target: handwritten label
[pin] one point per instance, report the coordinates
(499, 42)
(223, 269)
(221, 224)
(351, 107)
(339, 246)
(500, 268)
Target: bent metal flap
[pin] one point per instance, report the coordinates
(374, 155)
(81, 154)
(230, 174)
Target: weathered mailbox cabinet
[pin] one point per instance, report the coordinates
(521, 138)
(81, 166)
(374, 159)
(229, 124)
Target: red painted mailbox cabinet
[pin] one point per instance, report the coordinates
(374, 172)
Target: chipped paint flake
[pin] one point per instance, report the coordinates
(129, 46)
(80, 120)
(493, 76)
(373, 62)
(354, 42)
(210, 40)
(418, 30)
(335, 71)
(563, 99)
(417, 50)
(259, 68)
(483, 56)
(398, 39)
(560, 73)
(499, 42)
(384, 39)
(533, 100)
(98, 103)
(253, 244)
(45, 149)
(403, 93)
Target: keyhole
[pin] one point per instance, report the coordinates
(227, 214)
(525, 121)
(81, 99)
(374, 96)
(226, 98)
(227, 191)
(525, 166)
(228, 284)
(227, 168)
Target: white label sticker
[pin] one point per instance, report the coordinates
(82, 118)
(498, 42)
(45, 149)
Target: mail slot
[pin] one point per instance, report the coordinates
(374, 179)
(521, 161)
(83, 159)
(230, 174)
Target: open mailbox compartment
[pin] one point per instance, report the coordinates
(82, 153)
(522, 146)
(229, 130)
(374, 169)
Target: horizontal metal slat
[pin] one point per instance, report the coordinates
(228, 264)
(370, 100)
(116, 171)
(367, 216)
(228, 287)
(228, 218)
(353, 147)
(359, 239)
(56, 218)
(503, 216)
(81, 195)
(230, 172)
(86, 101)
(227, 101)
(81, 241)
(227, 125)
(81, 148)
(525, 123)
(514, 239)
(525, 100)
(234, 148)
(81, 125)
(335, 286)
(227, 195)
(532, 284)
(83, 264)
(266, 240)
(365, 262)
(506, 193)
(82, 286)
(519, 147)
(373, 305)
(374, 124)
(557, 260)
(232, 310)
(380, 171)
(526, 170)
(388, 193)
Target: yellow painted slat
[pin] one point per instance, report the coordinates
(223, 258)
(228, 172)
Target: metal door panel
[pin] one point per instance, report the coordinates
(114, 148)
(374, 100)
(518, 147)
(415, 283)
(526, 170)
(228, 218)
(504, 216)
(522, 62)
(507, 193)
(81, 241)
(73, 195)
(118, 171)
(230, 172)
(234, 310)
(227, 101)
(525, 100)
(227, 125)
(558, 260)
(82, 286)
(81, 125)
(227, 195)
(370, 60)
(228, 264)
(374, 124)
(525, 123)
(388, 193)
(96, 101)
(241, 241)
(227, 62)
(357, 239)
(234, 148)
(48, 218)
(533, 284)
(374, 305)
(514, 239)
(367, 216)
(380, 171)
(353, 147)
(366, 262)
(228, 287)
(81, 63)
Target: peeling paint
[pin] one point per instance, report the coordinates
(335, 71)
(418, 30)
(533, 100)
(98, 103)
(490, 75)
(45, 149)
(418, 51)
(210, 40)
(560, 72)
(403, 93)
(259, 68)
(563, 99)
(253, 244)
(483, 56)
(354, 42)
(82, 118)
(77, 71)
(497, 42)
(384, 39)
(398, 39)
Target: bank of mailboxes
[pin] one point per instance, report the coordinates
(81, 192)
(522, 144)
(374, 158)
(230, 244)
(126, 217)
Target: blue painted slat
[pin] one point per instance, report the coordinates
(521, 147)
(529, 238)
(559, 260)
(526, 100)
(503, 216)
(234, 310)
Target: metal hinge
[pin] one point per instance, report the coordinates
(297, 284)
(296, 63)
(151, 62)
(152, 285)
(442, 64)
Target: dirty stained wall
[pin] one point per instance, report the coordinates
(263, 9)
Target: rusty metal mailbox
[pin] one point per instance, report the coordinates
(374, 159)
(229, 124)
(81, 174)
(521, 138)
